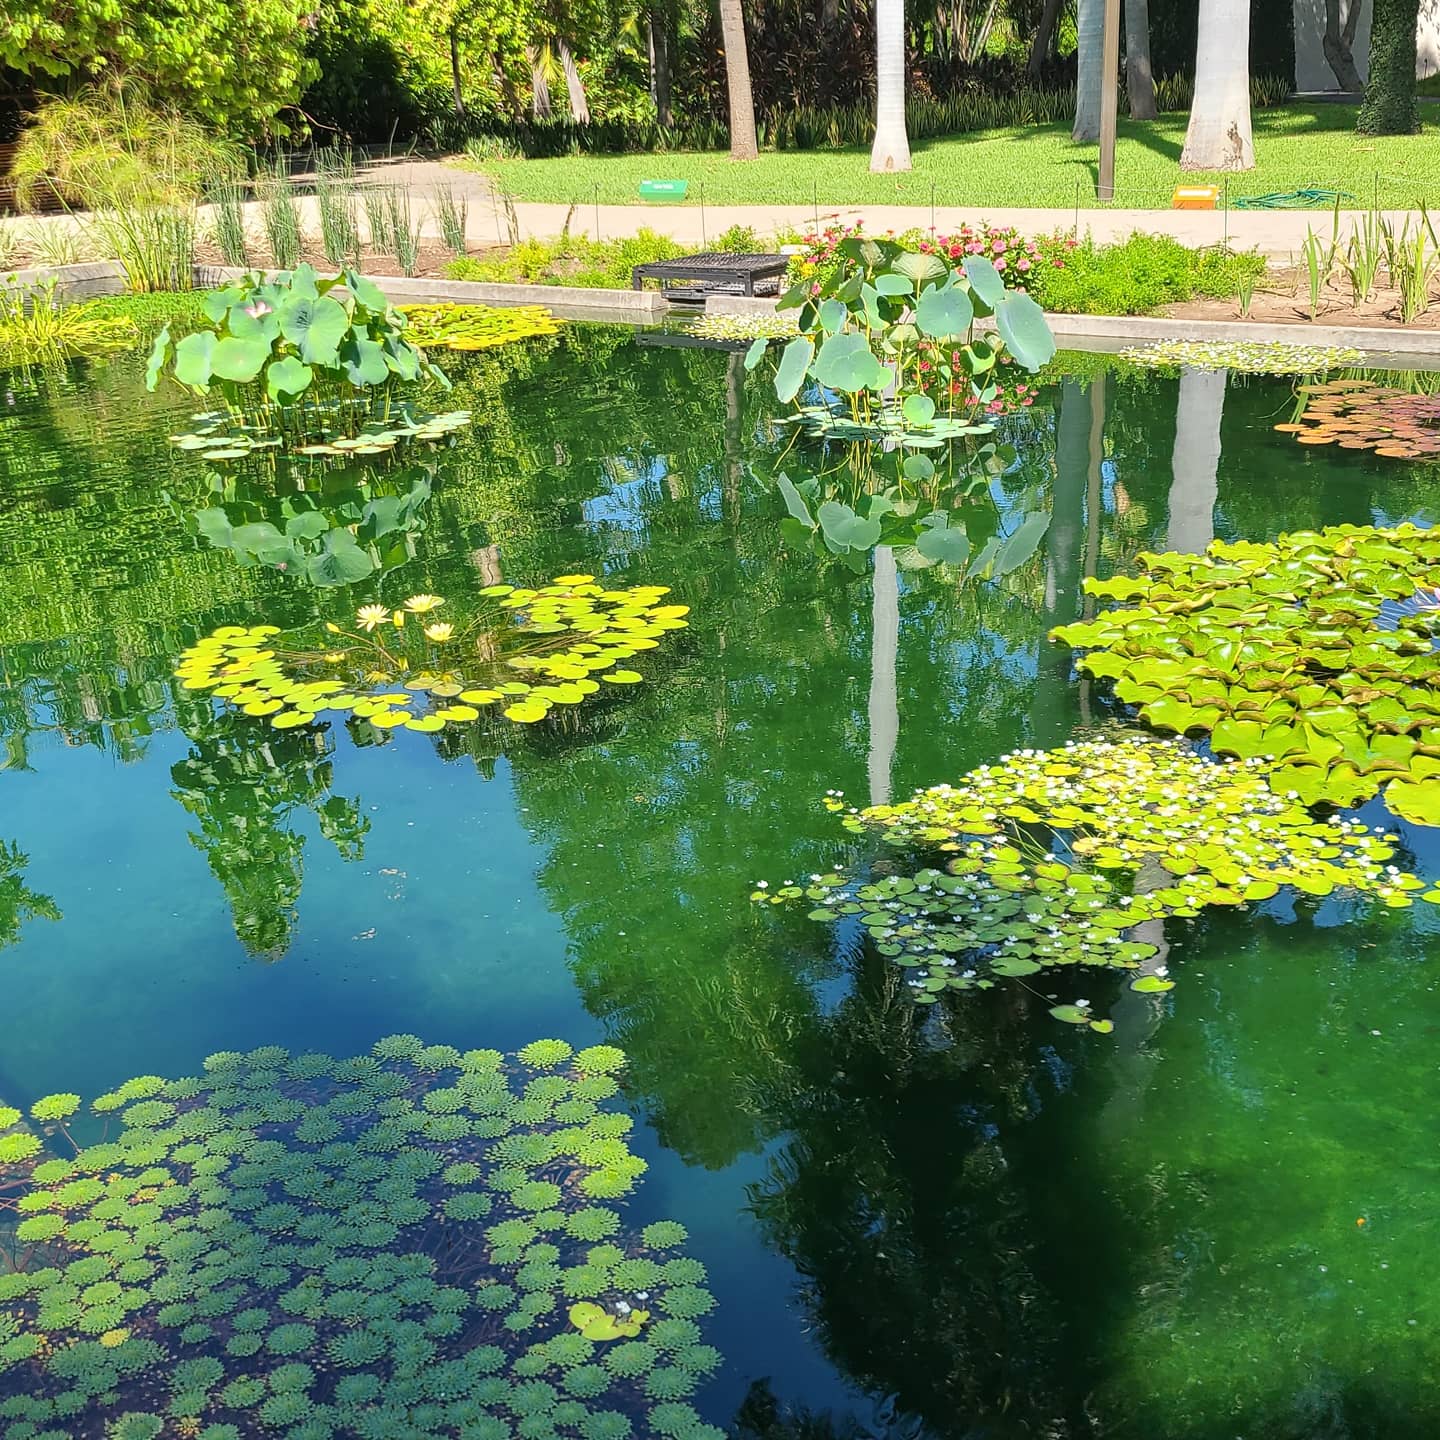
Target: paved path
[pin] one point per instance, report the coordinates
(1277, 234)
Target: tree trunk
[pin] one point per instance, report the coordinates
(660, 64)
(1218, 137)
(1339, 45)
(1139, 82)
(1389, 107)
(455, 73)
(1089, 48)
(1195, 461)
(539, 84)
(737, 81)
(891, 150)
(1044, 39)
(574, 85)
(884, 708)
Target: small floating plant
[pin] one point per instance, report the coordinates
(1051, 858)
(476, 327)
(777, 326)
(524, 654)
(417, 1242)
(1363, 415)
(1244, 357)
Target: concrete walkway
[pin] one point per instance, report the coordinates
(492, 219)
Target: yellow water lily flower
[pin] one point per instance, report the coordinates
(441, 631)
(419, 604)
(370, 616)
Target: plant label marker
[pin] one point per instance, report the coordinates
(663, 189)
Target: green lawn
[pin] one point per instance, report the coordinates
(1295, 147)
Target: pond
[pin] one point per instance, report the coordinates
(963, 1221)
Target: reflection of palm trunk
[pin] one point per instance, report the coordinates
(734, 417)
(884, 647)
(1079, 443)
(1195, 462)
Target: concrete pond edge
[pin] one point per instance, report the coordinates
(1086, 332)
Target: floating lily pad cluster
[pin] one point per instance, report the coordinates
(1058, 854)
(779, 326)
(416, 1242)
(217, 437)
(1244, 357)
(476, 327)
(1316, 653)
(525, 655)
(1363, 415)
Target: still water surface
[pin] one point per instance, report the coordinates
(986, 1224)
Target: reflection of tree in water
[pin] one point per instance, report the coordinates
(18, 903)
(246, 785)
(902, 1196)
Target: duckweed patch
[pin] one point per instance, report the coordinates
(408, 667)
(779, 326)
(377, 1246)
(1245, 357)
(1056, 855)
(1315, 653)
(476, 327)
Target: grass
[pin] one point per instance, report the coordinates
(1296, 146)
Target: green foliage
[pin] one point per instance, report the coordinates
(1137, 276)
(891, 321)
(395, 659)
(1152, 830)
(340, 336)
(253, 1231)
(36, 329)
(1315, 653)
(570, 260)
(186, 58)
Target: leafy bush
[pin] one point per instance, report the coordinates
(571, 260)
(1135, 277)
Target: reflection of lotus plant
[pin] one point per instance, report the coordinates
(1277, 651)
(1057, 855)
(931, 513)
(561, 636)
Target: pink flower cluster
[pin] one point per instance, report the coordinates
(1004, 246)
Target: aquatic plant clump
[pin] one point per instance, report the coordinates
(476, 327)
(1059, 854)
(417, 1242)
(1363, 415)
(778, 326)
(1244, 357)
(1316, 653)
(410, 667)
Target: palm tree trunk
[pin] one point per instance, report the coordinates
(1044, 39)
(539, 84)
(455, 73)
(884, 708)
(1218, 136)
(1089, 49)
(1195, 461)
(658, 28)
(1339, 42)
(1139, 82)
(737, 81)
(1389, 107)
(891, 150)
(574, 85)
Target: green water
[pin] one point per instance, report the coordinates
(978, 1222)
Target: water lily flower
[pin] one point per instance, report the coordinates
(420, 604)
(370, 616)
(441, 631)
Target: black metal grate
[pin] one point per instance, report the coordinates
(693, 277)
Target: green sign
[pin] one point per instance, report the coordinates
(663, 189)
